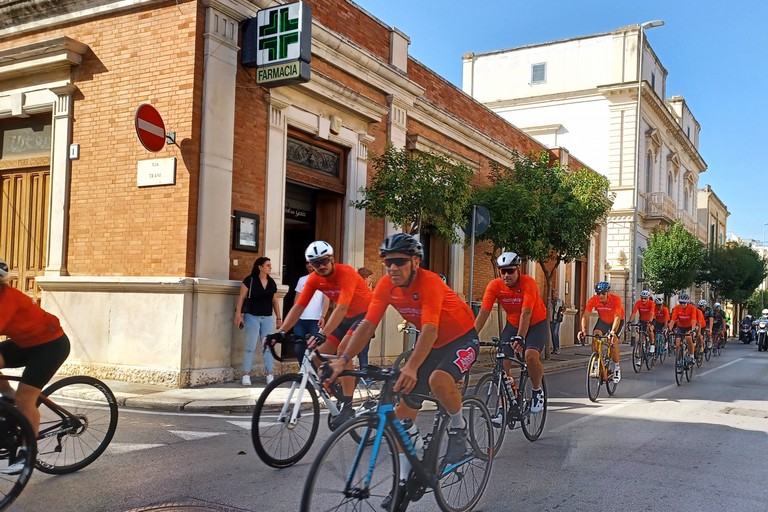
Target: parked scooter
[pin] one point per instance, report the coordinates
(746, 330)
(761, 332)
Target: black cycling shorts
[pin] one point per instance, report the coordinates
(347, 326)
(605, 327)
(40, 362)
(456, 358)
(536, 338)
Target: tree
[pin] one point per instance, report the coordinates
(734, 271)
(757, 302)
(672, 259)
(544, 212)
(418, 189)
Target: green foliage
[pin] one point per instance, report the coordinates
(757, 302)
(416, 189)
(734, 271)
(672, 260)
(542, 211)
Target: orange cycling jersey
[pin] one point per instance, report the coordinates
(606, 310)
(700, 318)
(524, 295)
(23, 321)
(343, 286)
(684, 316)
(662, 315)
(427, 300)
(647, 310)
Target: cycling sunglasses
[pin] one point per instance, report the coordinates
(322, 262)
(399, 262)
(508, 270)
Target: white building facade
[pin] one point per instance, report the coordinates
(582, 94)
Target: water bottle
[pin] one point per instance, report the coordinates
(413, 433)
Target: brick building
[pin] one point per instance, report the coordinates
(143, 274)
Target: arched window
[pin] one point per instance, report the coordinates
(649, 172)
(685, 198)
(670, 184)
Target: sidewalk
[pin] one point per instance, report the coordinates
(232, 397)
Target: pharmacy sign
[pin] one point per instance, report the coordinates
(284, 44)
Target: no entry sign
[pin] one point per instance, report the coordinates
(150, 128)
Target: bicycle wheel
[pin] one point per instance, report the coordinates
(69, 441)
(487, 390)
(647, 354)
(661, 348)
(337, 477)
(532, 423)
(689, 372)
(707, 349)
(460, 486)
(610, 386)
(279, 443)
(637, 356)
(699, 358)
(594, 379)
(15, 432)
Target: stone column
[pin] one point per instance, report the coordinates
(60, 177)
(217, 144)
(274, 203)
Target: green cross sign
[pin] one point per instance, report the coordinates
(281, 34)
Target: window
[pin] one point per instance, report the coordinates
(653, 81)
(670, 184)
(648, 172)
(539, 73)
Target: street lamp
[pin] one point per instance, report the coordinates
(766, 224)
(640, 52)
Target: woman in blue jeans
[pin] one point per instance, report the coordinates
(257, 301)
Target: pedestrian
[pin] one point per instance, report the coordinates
(255, 305)
(366, 274)
(312, 319)
(557, 319)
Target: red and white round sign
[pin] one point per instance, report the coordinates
(150, 127)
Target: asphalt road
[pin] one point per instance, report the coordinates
(654, 446)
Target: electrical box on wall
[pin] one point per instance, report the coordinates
(74, 151)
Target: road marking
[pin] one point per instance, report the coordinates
(242, 424)
(189, 435)
(632, 401)
(118, 448)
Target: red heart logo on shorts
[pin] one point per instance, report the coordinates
(465, 358)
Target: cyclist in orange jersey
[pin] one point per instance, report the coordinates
(36, 342)
(610, 321)
(346, 287)
(661, 317)
(684, 320)
(645, 309)
(526, 326)
(444, 351)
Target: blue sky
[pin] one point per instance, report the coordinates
(714, 59)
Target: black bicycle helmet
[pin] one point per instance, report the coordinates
(3, 269)
(602, 286)
(402, 243)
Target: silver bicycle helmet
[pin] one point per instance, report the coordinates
(318, 249)
(509, 259)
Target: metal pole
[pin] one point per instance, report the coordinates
(472, 255)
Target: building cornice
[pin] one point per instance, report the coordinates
(42, 56)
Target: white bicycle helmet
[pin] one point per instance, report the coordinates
(318, 249)
(658, 301)
(765, 312)
(509, 259)
(702, 303)
(645, 294)
(3, 269)
(717, 305)
(684, 299)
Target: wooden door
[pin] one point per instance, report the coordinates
(329, 219)
(24, 225)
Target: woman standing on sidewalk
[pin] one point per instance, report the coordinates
(254, 309)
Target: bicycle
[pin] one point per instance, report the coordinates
(682, 365)
(15, 432)
(718, 342)
(698, 350)
(78, 418)
(283, 441)
(661, 346)
(403, 357)
(708, 347)
(598, 372)
(641, 349)
(358, 467)
(511, 399)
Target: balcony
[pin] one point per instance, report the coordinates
(660, 206)
(688, 222)
(701, 233)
